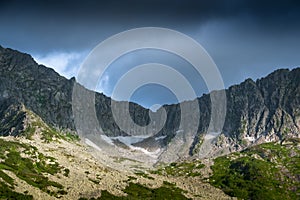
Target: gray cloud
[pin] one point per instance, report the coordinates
(82, 24)
(245, 38)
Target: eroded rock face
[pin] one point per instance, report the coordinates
(39, 88)
(265, 110)
(261, 111)
(12, 117)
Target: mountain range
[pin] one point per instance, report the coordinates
(34, 99)
(257, 111)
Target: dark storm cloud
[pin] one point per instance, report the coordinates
(246, 38)
(176, 8)
(82, 24)
(189, 10)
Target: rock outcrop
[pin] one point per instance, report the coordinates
(12, 117)
(263, 111)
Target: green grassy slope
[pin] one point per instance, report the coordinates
(266, 171)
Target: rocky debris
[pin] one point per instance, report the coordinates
(88, 178)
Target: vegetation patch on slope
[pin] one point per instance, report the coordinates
(48, 133)
(187, 169)
(27, 164)
(266, 171)
(137, 191)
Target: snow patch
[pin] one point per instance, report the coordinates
(107, 139)
(211, 135)
(153, 154)
(92, 144)
(160, 137)
(249, 138)
(129, 140)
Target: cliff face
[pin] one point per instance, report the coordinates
(12, 117)
(265, 110)
(39, 88)
(261, 111)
